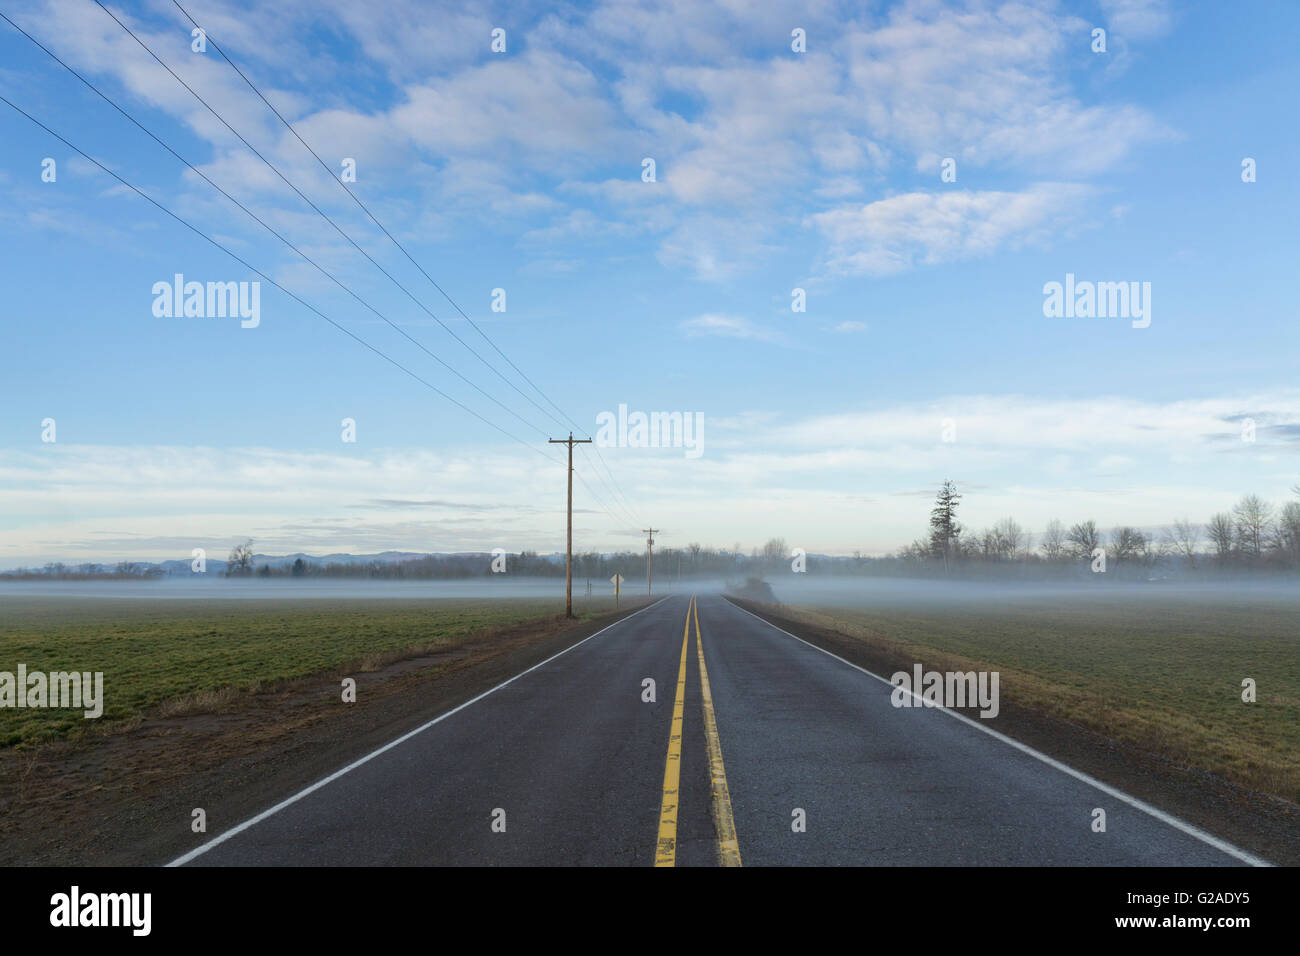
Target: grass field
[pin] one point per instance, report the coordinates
(1162, 673)
(153, 652)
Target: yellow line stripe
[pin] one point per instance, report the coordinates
(723, 822)
(666, 852)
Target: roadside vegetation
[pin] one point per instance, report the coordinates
(1159, 673)
(189, 654)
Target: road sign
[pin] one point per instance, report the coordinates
(617, 581)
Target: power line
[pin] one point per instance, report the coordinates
(265, 277)
(614, 492)
(599, 499)
(275, 169)
(333, 175)
(266, 226)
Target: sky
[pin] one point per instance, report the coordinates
(915, 177)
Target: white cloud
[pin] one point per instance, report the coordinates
(1110, 458)
(1138, 19)
(727, 326)
(899, 233)
(548, 107)
(739, 125)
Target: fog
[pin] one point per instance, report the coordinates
(921, 593)
(787, 588)
(300, 589)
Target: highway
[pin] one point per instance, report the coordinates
(762, 751)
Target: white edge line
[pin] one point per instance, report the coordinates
(253, 821)
(1221, 845)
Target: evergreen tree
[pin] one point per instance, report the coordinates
(944, 528)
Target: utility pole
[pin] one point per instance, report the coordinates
(568, 551)
(650, 559)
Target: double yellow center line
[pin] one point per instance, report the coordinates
(724, 824)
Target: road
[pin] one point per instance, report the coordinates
(569, 764)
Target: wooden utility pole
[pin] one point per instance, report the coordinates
(568, 551)
(650, 556)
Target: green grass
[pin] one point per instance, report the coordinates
(156, 651)
(1161, 673)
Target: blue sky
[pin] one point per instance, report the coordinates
(522, 170)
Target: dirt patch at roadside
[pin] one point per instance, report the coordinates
(126, 796)
(1258, 822)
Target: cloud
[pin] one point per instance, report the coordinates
(1139, 19)
(727, 326)
(548, 108)
(1032, 456)
(715, 248)
(896, 234)
(554, 130)
(985, 83)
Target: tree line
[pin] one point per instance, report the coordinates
(1254, 534)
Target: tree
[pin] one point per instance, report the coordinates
(1286, 533)
(240, 561)
(1184, 538)
(916, 552)
(944, 528)
(299, 567)
(1009, 538)
(774, 551)
(1083, 539)
(1127, 544)
(1053, 543)
(1222, 533)
(985, 544)
(1254, 517)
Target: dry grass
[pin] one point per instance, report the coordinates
(1163, 675)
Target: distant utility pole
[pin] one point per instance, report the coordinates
(568, 551)
(650, 560)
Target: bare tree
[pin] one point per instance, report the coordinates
(1010, 538)
(1053, 543)
(241, 559)
(1222, 533)
(1286, 533)
(1127, 543)
(774, 552)
(1254, 518)
(1184, 538)
(1083, 538)
(985, 544)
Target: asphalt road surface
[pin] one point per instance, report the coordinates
(768, 752)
